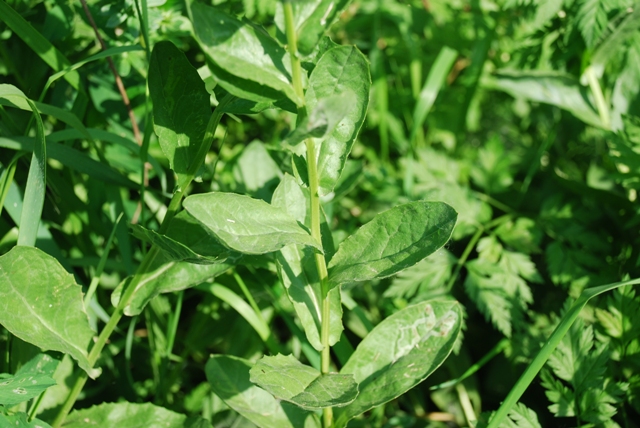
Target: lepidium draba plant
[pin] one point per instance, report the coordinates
(215, 231)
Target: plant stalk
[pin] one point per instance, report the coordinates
(312, 169)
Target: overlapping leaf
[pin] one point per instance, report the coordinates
(399, 353)
(392, 241)
(247, 225)
(288, 379)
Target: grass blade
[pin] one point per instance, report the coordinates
(36, 185)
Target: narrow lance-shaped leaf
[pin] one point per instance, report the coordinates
(399, 353)
(181, 107)
(392, 241)
(245, 60)
(287, 378)
(343, 71)
(229, 379)
(41, 304)
(299, 273)
(312, 19)
(247, 225)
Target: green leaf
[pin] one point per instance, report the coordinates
(392, 241)
(298, 270)
(312, 19)
(557, 89)
(245, 60)
(322, 120)
(400, 353)
(21, 420)
(592, 20)
(17, 389)
(342, 71)
(130, 415)
(522, 417)
(288, 379)
(247, 225)
(615, 41)
(36, 186)
(167, 275)
(181, 108)
(41, 304)
(229, 379)
(256, 182)
(178, 251)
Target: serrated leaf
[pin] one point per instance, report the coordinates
(392, 241)
(247, 225)
(299, 273)
(557, 89)
(245, 60)
(176, 250)
(229, 379)
(20, 388)
(181, 107)
(288, 379)
(426, 279)
(343, 71)
(521, 416)
(592, 20)
(41, 303)
(131, 415)
(311, 20)
(399, 353)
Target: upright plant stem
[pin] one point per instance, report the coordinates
(312, 169)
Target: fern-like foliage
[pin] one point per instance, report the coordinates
(592, 20)
(522, 417)
(579, 383)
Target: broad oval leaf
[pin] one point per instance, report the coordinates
(181, 107)
(245, 59)
(297, 268)
(392, 241)
(131, 415)
(287, 378)
(247, 225)
(230, 380)
(399, 353)
(17, 389)
(21, 420)
(312, 19)
(41, 303)
(342, 70)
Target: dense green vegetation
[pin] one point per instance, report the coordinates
(316, 213)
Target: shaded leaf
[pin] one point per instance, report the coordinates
(229, 379)
(245, 60)
(287, 378)
(400, 352)
(41, 304)
(181, 107)
(392, 241)
(130, 415)
(21, 420)
(247, 225)
(343, 71)
(323, 119)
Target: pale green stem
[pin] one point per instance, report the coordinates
(312, 169)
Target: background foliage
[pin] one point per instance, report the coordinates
(522, 115)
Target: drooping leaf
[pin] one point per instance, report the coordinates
(288, 379)
(343, 71)
(17, 389)
(131, 415)
(181, 107)
(311, 20)
(399, 353)
(556, 89)
(229, 379)
(244, 59)
(299, 272)
(178, 251)
(392, 241)
(41, 304)
(247, 225)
